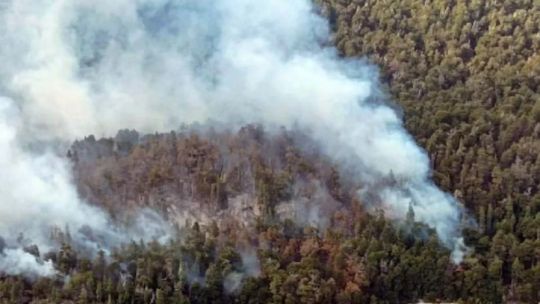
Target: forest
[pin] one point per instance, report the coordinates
(466, 74)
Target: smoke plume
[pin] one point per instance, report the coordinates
(73, 68)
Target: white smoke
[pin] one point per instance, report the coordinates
(250, 268)
(35, 188)
(37, 195)
(17, 261)
(73, 68)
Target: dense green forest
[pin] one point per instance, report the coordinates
(467, 75)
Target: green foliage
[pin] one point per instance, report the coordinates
(467, 75)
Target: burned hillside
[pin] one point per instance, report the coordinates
(211, 175)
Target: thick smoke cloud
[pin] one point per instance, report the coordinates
(17, 261)
(38, 197)
(73, 68)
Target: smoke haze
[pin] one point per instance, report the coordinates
(74, 68)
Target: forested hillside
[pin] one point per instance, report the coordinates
(260, 216)
(467, 74)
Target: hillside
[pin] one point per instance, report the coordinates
(259, 217)
(467, 74)
(321, 196)
(207, 176)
